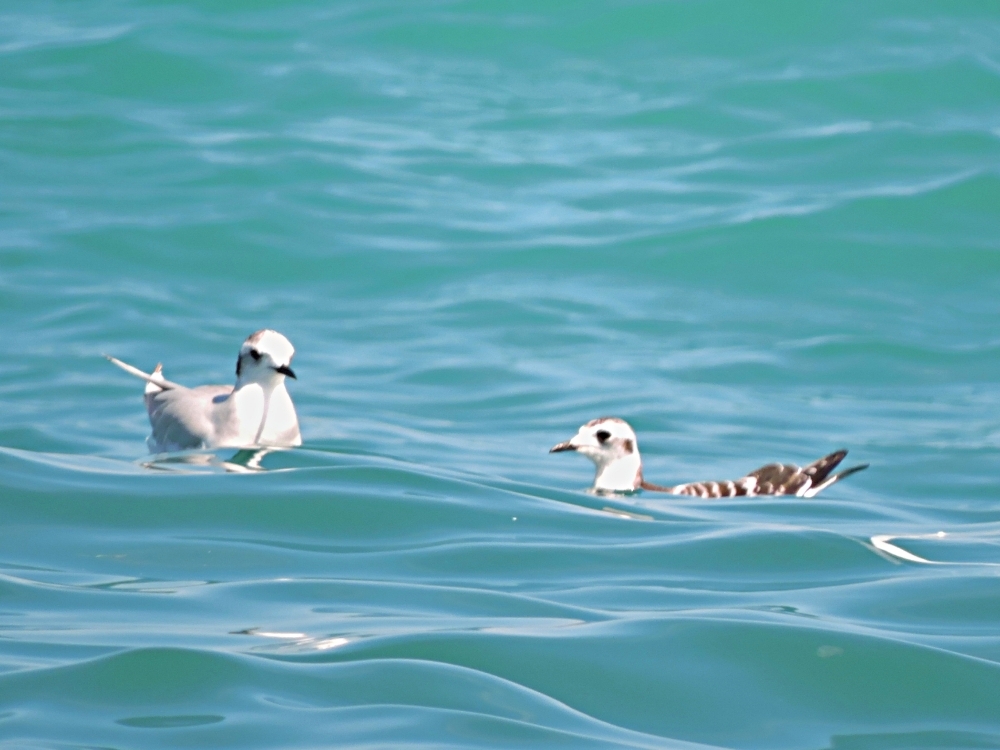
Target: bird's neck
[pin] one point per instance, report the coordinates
(624, 474)
(267, 384)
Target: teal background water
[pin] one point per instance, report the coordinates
(759, 231)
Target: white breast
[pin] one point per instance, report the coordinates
(282, 424)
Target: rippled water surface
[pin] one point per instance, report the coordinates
(757, 231)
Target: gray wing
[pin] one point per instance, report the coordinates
(185, 418)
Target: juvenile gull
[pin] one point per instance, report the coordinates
(255, 411)
(611, 444)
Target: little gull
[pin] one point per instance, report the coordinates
(255, 411)
(611, 444)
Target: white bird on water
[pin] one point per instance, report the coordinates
(611, 444)
(257, 410)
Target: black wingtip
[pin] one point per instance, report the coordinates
(852, 470)
(822, 468)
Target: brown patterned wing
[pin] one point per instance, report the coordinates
(780, 479)
(737, 488)
(773, 479)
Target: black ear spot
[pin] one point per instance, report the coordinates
(239, 365)
(602, 436)
(628, 445)
(255, 354)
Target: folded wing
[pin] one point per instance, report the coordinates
(773, 479)
(185, 418)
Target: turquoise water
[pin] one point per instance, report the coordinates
(757, 231)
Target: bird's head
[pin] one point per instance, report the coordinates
(611, 444)
(265, 358)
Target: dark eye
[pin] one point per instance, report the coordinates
(255, 354)
(602, 436)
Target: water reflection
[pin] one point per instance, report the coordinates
(241, 461)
